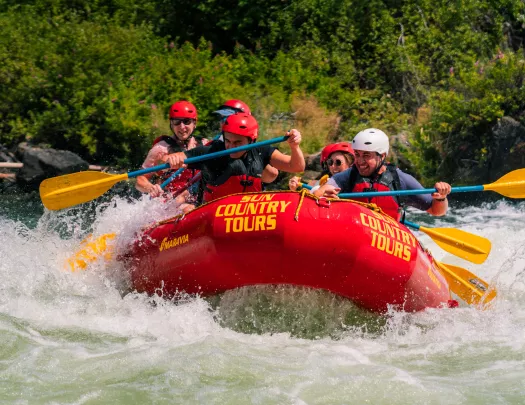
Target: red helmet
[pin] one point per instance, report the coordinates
(241, 124)
(183, 109)
(344, 147)
(237, 105)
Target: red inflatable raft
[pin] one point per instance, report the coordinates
(344, 247)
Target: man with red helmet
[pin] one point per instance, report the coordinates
(335, 158)
(233, 106)
(183, 119)
(241, 171)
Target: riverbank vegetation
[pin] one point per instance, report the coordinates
(97, 77)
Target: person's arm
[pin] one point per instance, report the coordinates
(293, 163)
(333, 186)
(435, 204)
(439, 199)
(144, 185)
(315, 186)
(176, 160)
(155, 157)
(330, 189)
(269, 174)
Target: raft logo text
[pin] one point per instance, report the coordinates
(171, 243)
(253, 213)
(387, 236)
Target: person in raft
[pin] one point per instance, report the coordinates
(335, 158)
(183, 119)
(241, 171)
(233, 106)
(371, 173)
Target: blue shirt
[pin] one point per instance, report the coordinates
(420, 201)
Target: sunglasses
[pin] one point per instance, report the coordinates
(331, 162)
(186, 121)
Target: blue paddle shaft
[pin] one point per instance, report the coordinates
(209, 156)
(171, 178)
(411, 225)
(464, 189)
(306, 186)
(179, 172)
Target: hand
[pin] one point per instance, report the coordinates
(155, 190)
(330, 191)
(293, 183)
(176, 160)
(294, 137)
(443, 189)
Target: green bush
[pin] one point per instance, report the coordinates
(98, 77)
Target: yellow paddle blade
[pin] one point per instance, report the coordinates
(467, 286)
(323, 180)
(76, 188)
(511, 185)
(91, 250)
(463, 244)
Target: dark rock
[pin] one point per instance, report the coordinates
(6, 155)
(467, 163)
(507, 151)
(313, 162)
(400, 146)
(40, 164)
(311, 175)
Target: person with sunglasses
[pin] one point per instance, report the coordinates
(335, 158)
(371, 172)
(239, 172)
(183, 119)
(233, 106)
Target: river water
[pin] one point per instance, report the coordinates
(73, 338)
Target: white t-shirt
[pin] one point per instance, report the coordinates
(159, 150)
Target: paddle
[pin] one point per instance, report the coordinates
(93, 248)
(76, 188)
(511, 185)
(322, 181)
(463, 244)
(306, 186)
(172, 177)
(467, 286)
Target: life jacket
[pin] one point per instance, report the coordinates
(240, 176)
(386, 181)
(181, 181)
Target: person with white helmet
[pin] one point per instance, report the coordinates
(371, 172)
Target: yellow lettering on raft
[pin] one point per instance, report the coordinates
(253, 213)
(387, 237)
(433, 277)
(171, 243)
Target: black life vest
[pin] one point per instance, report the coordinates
(239, 176)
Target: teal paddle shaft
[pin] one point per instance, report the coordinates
(465, 189)
(209, 156)
(306, 186)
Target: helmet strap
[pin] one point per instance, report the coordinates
(375, 174)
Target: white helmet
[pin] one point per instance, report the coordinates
(371, 140)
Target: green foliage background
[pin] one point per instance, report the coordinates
(97, 77)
